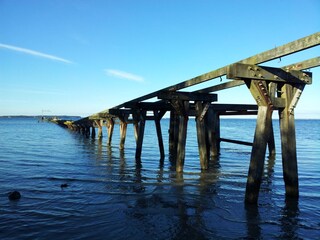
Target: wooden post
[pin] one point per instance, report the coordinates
(99, 124)
(182, 136)
(173, 133)
(213, 128)
(288, 142)
(123, 130)
(271, 143)
(201, 136)
(157, 120)
(110, 127)
(261, 138)
(140, 134)
(93, 132)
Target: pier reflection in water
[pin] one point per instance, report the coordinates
(111, 195)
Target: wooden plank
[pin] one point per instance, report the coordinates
(261, 138)
(249, 71)
(188, 96)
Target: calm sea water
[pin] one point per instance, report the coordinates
(111, 196)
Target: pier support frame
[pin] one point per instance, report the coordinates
(263, 83)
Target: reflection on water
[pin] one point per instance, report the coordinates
(290, 219)
(110, 195)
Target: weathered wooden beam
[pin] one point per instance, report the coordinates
(213, 131)
(237, 113)
(140, 135)
(99, 124)
(158, 116)
(123, 129)
(201, 136)
(182, 137)
(188, 96)
(110, 127)
(150, 106)
(236, 141)
(221, 86)
(261, 138)
(303, 65)
(306, 64)
(173, 134)
(249, 71)
(233, 107)
(288, 144)
(93, 132)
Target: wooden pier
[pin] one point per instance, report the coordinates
(274, 89)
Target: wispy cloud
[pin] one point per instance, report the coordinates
(34, 53)
(124, 75)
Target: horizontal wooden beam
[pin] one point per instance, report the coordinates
(249, 71)
(303, 65)
(236, 141)
(233, 107)
(238, 113)
(188, 96)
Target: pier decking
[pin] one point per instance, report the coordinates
(274, 89)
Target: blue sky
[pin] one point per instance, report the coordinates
(81, 57)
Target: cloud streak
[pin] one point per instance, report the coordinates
(34, 53)
(124, 75)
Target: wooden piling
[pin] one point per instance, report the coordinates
(93, 132)
(157, 119)
(288, 143)
(261, 138)
(141, 128)
(182, 136)
(173, 134)
(110, 127)
(123, 130)
(201, 135)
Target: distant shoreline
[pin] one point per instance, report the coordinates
(40, 116)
